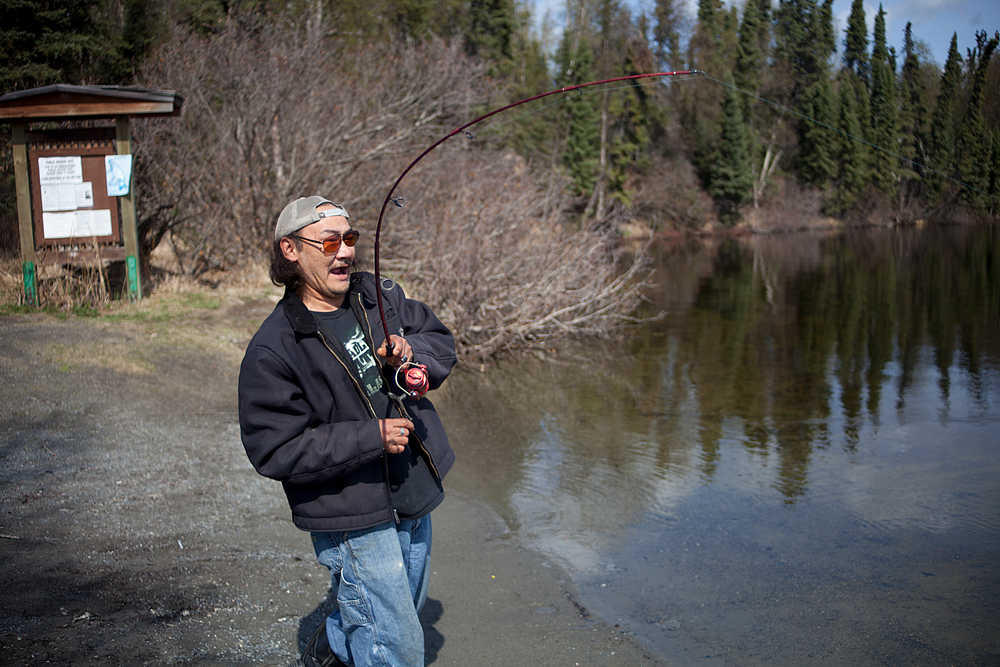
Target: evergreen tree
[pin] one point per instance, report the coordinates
(856, 41)
(883, 110)
(852, 173)
(993, 194)
(794, 42)
(731, 175)
(700, 106)
(666, 34)
(942, 131)
(65, 41)
(974, 140)
(749, 58)
(531, 135)
(575, 63)
(824, 32)
(491, 30)
(710, 21)
(818, 139)
(764, 17)
(911, 115)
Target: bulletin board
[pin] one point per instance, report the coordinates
(69, 194)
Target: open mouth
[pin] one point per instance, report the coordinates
(340, 271)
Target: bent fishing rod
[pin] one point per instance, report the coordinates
(463, 128)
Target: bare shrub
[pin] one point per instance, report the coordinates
(274, 112)
(502, 268)
(670, 197)
(793, 206)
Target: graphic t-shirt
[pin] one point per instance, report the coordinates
(414, 490)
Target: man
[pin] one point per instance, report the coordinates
(360, 462)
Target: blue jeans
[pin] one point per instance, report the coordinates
(379, 579)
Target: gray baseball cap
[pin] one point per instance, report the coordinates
(302, 212)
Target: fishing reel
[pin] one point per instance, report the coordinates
(414, 381)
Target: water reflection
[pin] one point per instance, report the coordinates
(779, 332)
(814, 418)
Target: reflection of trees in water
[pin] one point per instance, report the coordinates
(783, 345)
(779, 327)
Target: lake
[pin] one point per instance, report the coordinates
(797, 463)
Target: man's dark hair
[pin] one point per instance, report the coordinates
(283, 271)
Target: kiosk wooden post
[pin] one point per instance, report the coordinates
(20, 148)
(130, 232)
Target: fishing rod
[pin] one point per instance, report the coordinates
(412, 375)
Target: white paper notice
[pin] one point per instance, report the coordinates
(67, 197)
(118, 170)
(61, 197)
(74, 224)
(60, 170)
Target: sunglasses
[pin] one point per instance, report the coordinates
(331, 244)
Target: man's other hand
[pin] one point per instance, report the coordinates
(395, 434)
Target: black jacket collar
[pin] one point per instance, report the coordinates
(303, 322)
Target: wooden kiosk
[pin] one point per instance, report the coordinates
(66, 211)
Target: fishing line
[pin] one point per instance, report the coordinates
(538, 109)
(462, 128)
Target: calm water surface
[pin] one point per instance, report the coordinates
(798, 464)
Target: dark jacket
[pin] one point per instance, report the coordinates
(306, 421)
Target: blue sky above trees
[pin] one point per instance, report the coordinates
(934, 21)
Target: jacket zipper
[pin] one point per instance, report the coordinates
(371, 409)
(399, 404)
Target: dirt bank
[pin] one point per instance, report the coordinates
(135, 532)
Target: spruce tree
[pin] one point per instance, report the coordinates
(942, 130)
(749, 59)
(818, 139)
(856, 41)
(491, 30)
(974, 140)
(883, 110)
(699, 107)
(531, 135)
(575, 62)
(666, 34)
(911, 115)
(732, 178)
(794, 43)
(852, 173)
(764, 32)
(993, 194)
(824, 33)
(66, 41)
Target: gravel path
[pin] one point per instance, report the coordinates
(134, 531)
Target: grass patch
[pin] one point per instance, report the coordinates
(202, 301)
(100, 354)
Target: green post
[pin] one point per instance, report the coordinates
(30, 290)
(132, 269)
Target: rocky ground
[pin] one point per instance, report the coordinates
(134, 531)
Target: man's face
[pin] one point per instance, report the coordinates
(326, 278)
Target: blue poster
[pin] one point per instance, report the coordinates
(118, 171)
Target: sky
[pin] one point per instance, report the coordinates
(934, 21)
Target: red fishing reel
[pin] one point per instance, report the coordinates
(415, 381)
